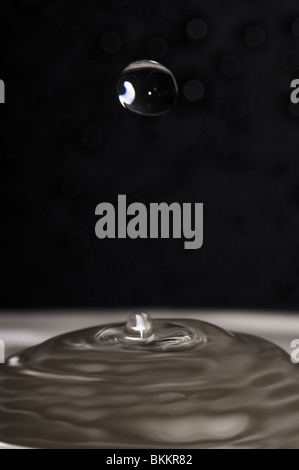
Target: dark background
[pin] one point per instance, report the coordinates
(232, 142)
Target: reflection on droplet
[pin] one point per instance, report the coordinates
(147, 87)
(129, 96)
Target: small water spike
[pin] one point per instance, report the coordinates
(139, 326)
(159, 335)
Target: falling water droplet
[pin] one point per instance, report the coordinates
(147, 87)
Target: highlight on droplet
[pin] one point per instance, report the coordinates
(129, 96)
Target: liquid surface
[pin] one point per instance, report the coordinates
(147, 87)
(144, 384)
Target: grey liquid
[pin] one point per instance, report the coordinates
(166, 384)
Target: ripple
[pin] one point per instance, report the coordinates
(181, 384)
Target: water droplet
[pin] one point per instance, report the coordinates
(148, 88)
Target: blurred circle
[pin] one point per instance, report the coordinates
(157, 47)
(254, 36)
(92, 136)
(291, 287)
(79, 241)
(73, 185)
(111, 42)
(235, 109)
(67, 124)
(197, 29)
(290, 61)
(295, 27)
(234, 157)
(230, 66)
(91, 69)
(194, 90)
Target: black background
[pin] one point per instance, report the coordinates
(232, 142)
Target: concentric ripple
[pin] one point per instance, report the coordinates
(144, 384)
